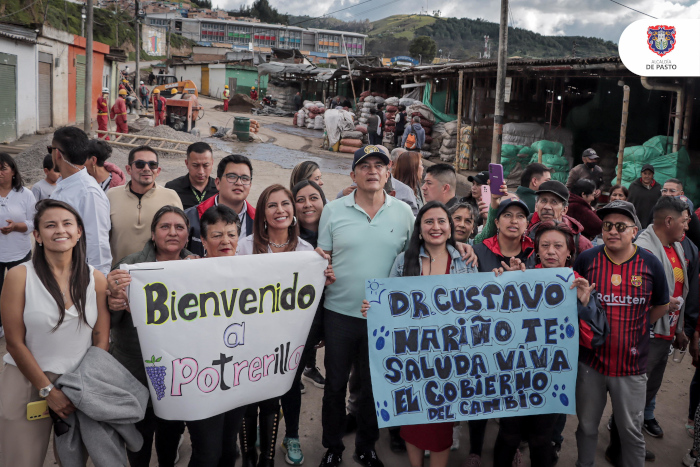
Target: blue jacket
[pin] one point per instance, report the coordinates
(420, 135)
(458, 266)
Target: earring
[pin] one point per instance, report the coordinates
(41, 244)
(294, 221)
(265, 224)
(568, 258)
(420, 236)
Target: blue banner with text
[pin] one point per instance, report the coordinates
(472, 346)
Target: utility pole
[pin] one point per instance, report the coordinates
(500, 85)
(87, 113)
(137, 17)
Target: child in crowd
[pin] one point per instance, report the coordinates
(43, 188)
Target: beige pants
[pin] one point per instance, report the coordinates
(22, 442)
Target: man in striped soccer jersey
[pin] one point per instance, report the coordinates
(632, 287)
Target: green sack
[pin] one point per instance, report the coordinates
(558, 164)
(548, 147)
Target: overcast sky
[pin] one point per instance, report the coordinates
(595, 18)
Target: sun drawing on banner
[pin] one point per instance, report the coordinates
(375, 289)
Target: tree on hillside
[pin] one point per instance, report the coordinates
(423, 47)
(266, 13)
(202, 3)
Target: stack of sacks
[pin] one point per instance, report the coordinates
(392, 101)
(301, 118)
(349, 144)
(254, 126)
(313, 115)
(449, 142)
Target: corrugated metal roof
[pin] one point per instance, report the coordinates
(513, 63)
(18, 33)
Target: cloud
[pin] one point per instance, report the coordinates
(592, 18)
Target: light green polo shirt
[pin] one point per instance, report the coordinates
(363, 248)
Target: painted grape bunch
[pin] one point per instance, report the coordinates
(157, 376)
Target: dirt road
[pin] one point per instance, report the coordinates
(283, 147)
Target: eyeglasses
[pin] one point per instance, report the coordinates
(235, 178)
(619, 226)
(51, 148)
(139, 164)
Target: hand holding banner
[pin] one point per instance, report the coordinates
(221, 333)
(472, 346)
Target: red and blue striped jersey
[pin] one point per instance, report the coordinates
(628, 292)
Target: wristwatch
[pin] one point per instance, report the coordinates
(44, 392)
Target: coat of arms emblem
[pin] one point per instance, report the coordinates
(661, 39)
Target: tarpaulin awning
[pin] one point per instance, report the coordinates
(439, 116)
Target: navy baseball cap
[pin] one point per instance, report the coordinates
(371, 150)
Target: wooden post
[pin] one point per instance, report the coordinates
(459, 118)
(623, 131)
(539, 156)
(352, 85)
(447, 96)
(499, 111)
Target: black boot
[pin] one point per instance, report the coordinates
(268, 438)
(249, 456)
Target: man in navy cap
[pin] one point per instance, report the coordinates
(363, 232)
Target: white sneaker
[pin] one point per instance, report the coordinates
(456, 434)
(2, 332)
(689, 460)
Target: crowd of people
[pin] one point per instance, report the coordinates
(635, 261)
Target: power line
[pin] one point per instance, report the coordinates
(332, 12)
(372, 9)
(630, 8)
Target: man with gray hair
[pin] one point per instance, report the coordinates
(551, 205)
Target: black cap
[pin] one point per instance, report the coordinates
(648, 167)
(556, 188)
(508, 202)
(621, 207)
(482, 178)
(590, 153)
(371, 150)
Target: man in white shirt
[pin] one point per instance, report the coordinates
(80, 190)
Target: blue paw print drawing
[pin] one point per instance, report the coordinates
(380, 334)
(382, 412)
(570, 330)
(563, 398)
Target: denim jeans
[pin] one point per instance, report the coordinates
(346, 341)
(214, 439)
